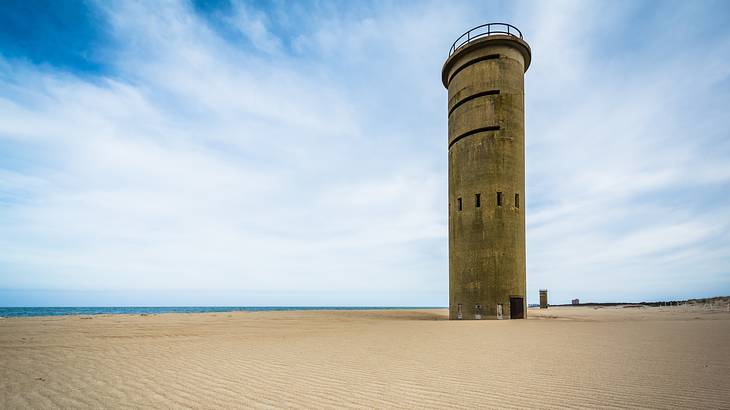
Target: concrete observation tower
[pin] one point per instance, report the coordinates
(484, 74)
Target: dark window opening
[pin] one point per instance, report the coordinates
(478, 200)
(517, 200)
(499, 199)
(472, 97)
(472, 132)
(458, 200)
(471, 62)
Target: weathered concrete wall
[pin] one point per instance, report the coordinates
(485, 81)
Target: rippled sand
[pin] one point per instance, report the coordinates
(560, 357)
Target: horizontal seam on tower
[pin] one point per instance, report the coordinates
(472, 62)
(472, 97)
(472, 132)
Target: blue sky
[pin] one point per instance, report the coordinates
(294, 153)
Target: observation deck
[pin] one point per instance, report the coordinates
(492, 33)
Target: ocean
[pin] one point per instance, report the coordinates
(134, 310)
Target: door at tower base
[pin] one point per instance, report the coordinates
(516, 308)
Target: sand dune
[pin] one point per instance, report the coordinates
(560, 357)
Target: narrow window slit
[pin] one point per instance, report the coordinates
(472, 97)
(499, 199)
(458, 200)
(472, 62)
(478, 200)
(517, 200)
(472, 132)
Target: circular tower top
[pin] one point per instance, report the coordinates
(486, 34)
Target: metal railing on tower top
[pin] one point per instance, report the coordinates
(484, 30)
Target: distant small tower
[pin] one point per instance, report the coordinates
(543, 299)
(484, 75)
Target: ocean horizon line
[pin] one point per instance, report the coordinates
(37, 311)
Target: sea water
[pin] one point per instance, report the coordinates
(134, 310)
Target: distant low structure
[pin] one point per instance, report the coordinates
(543, 299)
(575, 302)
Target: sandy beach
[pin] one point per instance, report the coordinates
(610, 357)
